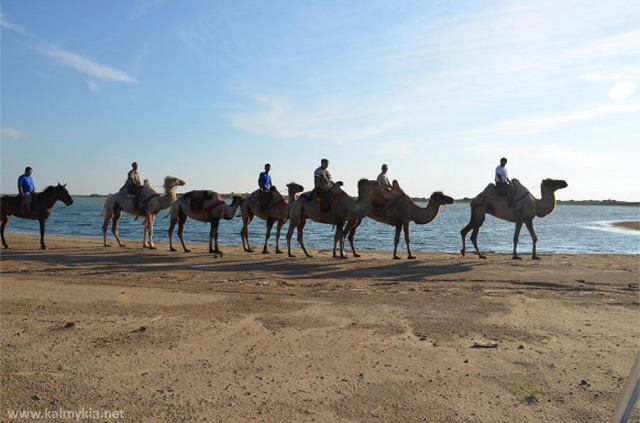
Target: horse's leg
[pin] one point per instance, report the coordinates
(303, 222)
(396, 240)
(534, 238)
(267, 235)
(181, 219)
(407, 240)
(478, 219)
(3, 224)
(172, 225)
(350, 234)
(114, 226)
(214, 233)
(150, 220)
(42, 223)
(278, 231)
(516, 235)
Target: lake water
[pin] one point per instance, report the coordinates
(570, 229)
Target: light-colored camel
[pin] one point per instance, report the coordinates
(211, 208)
(399, 210)
(343, 209)
(154, 202)
(278, 211)
(523, 209)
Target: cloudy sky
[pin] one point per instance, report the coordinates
(210, 91)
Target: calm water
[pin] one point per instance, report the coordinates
(570, 229)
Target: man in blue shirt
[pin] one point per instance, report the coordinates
(264, 183)
(26, 189)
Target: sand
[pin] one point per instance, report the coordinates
(249, 337)
(632, 225)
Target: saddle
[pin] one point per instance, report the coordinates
(197, 199)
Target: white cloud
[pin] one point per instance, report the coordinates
(4, 22)
(11, 133)
(93, 85)
(85, 65)
(623, 90)
(144, 8)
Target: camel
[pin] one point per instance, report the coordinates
(203, 206)
(399, 210)
(116, 203)
(524, 208)
(41, 206)
(278, 211)
(343, 209)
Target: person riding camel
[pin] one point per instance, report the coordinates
(265, 184)
(503, 183)
(384, 186)
(322, 184)
(134, 186)
(26, 189)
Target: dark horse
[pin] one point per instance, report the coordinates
(41, 206)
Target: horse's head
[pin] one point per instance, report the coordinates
(63, 194)
(440, 199)
(554, 184)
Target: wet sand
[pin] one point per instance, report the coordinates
(250, 337)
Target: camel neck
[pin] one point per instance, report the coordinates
(230, 211)
(169, 196)
(424, 215)
(546, 204)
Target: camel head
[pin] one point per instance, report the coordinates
(171, 182)
(295, 188)
(439, 199)
(237, 198)
(63, 194)
(553, 184)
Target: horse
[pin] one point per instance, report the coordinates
(41, 206)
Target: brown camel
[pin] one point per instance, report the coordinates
(343, 209)
(119, 202)
(41, 206)
(523, 209)
(277, 211)
(399, 210)
(204, 206)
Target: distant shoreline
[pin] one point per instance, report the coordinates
(632, 225)
(460, 200)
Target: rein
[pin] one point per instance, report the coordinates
(152, 196)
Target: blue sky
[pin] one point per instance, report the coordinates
(210, 91)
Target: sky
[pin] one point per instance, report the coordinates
(209, 91)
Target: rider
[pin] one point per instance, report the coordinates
(26, 189)
(134, 186)
(322, 182)
(503, 183)
(264, 184)
(384, 186)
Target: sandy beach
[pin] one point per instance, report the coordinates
(249, 337)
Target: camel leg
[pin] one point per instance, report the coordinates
(172, 225)
(339, 237)
(463, 235)
(407, 240)
(5, 221)
(244, 233)
(534, 238)
(181, 219)
(351, 233)
(144, 233)
(396, 240)
(301, 237)
(105, 226)
(213, 233)
(150, 220)
(292, 226)
(477, 219)
(278, 231)
(42, 223)
(114, 226)
(516, 235)
(267, 235)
